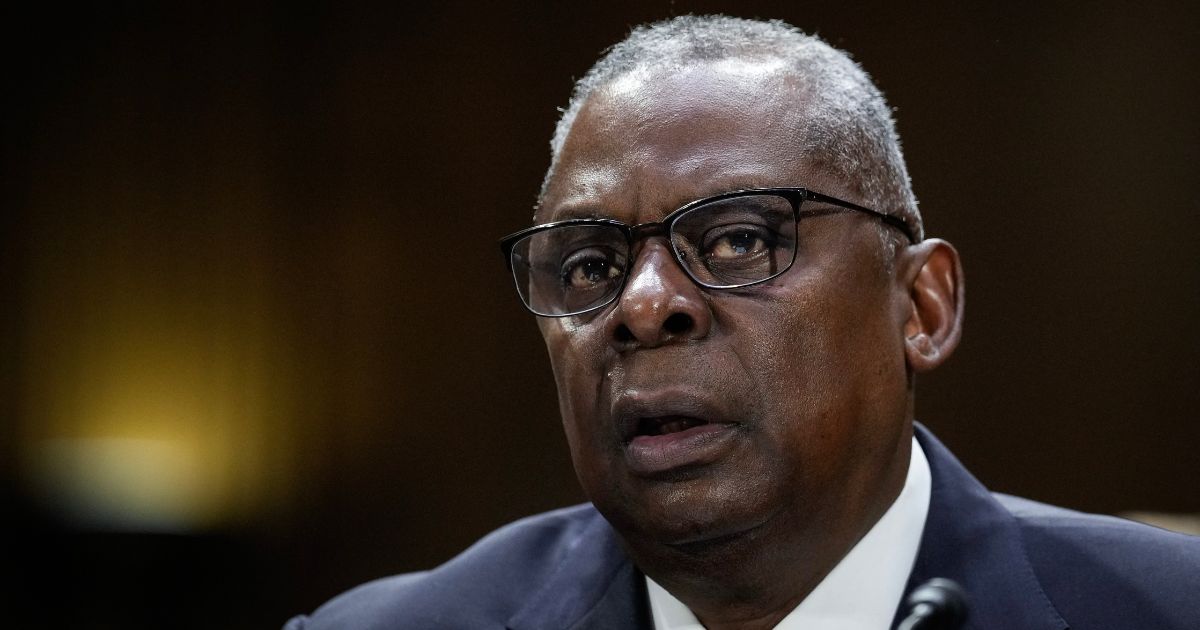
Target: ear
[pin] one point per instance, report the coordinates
(932, 274)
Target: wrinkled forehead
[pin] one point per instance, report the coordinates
(697, 130)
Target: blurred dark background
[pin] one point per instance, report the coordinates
(258, 341)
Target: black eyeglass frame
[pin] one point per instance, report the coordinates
(635, 233)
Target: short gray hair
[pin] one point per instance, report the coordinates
(850, 129)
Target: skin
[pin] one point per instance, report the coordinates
(809, 375)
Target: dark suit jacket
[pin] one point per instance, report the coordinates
(1024, 565)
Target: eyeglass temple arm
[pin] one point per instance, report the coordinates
(889, 219)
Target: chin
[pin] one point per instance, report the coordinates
(675, 514)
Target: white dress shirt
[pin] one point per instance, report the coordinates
(863, 591)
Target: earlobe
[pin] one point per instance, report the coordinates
(933, 276)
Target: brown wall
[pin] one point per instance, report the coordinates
(263, 242)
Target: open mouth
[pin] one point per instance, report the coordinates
(665, 425)
(657, 445)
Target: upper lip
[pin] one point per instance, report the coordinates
(630, 409)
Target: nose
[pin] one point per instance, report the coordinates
(659, 304)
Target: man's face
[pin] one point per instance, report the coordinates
(693, 414)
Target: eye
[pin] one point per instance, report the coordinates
(730, 242)
(589, 268)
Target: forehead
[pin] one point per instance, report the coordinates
(653, 139)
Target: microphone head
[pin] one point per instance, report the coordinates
(944, 600)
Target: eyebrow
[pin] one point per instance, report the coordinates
(594, 212)
(564, 214)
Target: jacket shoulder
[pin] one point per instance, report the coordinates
(480, 588)
(1104, 571)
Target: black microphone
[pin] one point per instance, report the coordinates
(938, 604)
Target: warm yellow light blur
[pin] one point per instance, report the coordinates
(157, 393)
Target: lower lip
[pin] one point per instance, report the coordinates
(699, 445)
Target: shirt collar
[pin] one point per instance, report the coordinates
(864, 589)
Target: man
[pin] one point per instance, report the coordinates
(733, 283)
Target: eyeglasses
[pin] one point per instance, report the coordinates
(727, 241)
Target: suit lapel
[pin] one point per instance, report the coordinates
(624, 605)
(595, 587)
(972, 539)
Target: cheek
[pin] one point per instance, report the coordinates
(788, 351)
(578, 360)
(820, 351)
(578, 370)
